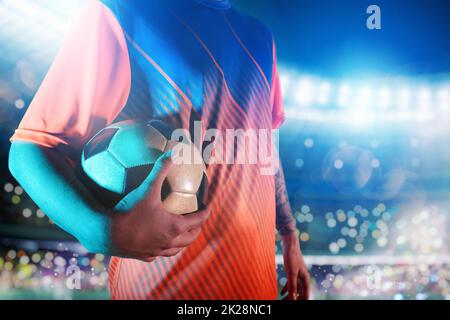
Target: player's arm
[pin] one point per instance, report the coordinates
(84, 90)
(50, 181)
(285, 220)
(297, 272)
(138, 227)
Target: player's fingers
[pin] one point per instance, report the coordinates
(160, 170)
(142, 256)
(300, 288)
(304, 285)
(307, 289)
(170, 252)
(148, 259)
(184, 223)
(186, 238)
(292, 286)
(157, 175)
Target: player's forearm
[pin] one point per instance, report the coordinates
(50, 181)
(285, 220)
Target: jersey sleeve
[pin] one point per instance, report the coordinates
(276, 95)
(86, 86)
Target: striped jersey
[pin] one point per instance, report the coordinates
(180, 61)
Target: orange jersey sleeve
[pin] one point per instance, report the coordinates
(276, 96)
(86, 87)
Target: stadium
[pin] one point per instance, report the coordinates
(364, 149)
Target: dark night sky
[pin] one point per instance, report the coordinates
(329, 37)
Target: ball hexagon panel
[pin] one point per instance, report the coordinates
(187, 175)
(99, 142)
(135, 176)
(180, 203)
(201, 193)
(185, 178)
(163, 128)
(105, 170)
(137, 145)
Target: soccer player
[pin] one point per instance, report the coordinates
(180, 61)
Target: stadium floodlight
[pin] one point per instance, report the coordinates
(344, 95)
(404, 98)
(443, 97)
(324, 92)
(304, 91)
(360, 117)
(424, 98)
(384, 97)
(286, 79)
(37, 22)
(364, 96)
(33, 12)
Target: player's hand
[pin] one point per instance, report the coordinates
(142, 229)
(297, 285)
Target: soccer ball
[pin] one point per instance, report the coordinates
(119, 158)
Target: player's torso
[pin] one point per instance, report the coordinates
(190, 62)
(185, 55)
(193, 63)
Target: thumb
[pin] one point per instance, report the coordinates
(292, 287)
(153, 181)
(160, 170)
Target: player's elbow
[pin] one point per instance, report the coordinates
(17, 160)
(13, 160)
